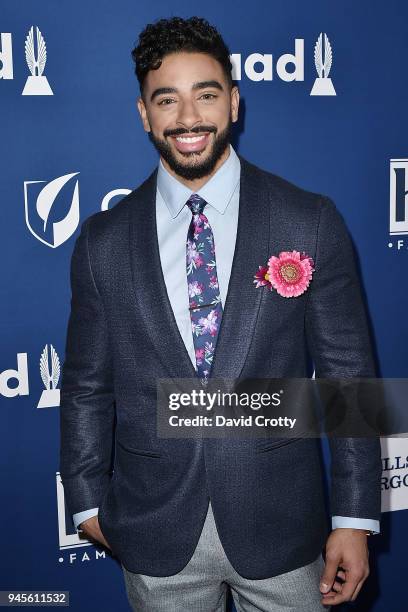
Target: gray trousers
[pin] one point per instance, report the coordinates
(202, 584)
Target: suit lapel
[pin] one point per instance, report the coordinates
(149, 285)
(242, 301)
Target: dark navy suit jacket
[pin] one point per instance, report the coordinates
(267, 494)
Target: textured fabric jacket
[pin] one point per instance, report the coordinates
(266, 494)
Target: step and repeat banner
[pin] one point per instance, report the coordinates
(324, 93)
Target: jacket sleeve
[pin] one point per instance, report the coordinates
(87, 408)
(338, 339)
(80, 517)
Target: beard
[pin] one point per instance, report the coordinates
(194, 168)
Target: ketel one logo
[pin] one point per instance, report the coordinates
(323, 56)
(40, 204)
(50, 373)
(399, 196)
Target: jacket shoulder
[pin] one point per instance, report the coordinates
(288, 193)
(113, 219)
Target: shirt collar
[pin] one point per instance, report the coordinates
(217, 191)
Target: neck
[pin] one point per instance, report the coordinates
(196, 184)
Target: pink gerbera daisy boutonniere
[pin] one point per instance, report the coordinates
(290, 273)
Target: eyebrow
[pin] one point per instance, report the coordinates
(197, 85)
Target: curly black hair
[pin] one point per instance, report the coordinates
(166, 36)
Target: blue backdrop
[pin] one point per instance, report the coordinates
(339, 145)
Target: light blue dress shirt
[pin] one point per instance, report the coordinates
(173, 217)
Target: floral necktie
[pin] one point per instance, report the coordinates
(203, 291)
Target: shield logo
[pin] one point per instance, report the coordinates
(39, 204)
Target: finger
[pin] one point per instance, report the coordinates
(348, 588)
(358, 588)
(328, 598)
(336, 588)
(341, 574)
(97, 539)
(86, 535)
(96, 536)
(101, 540)
(329, 573)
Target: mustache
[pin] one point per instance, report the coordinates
(196, 130)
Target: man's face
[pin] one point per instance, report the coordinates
(188, 112)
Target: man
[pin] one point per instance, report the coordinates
(188, 517)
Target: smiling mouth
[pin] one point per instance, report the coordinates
(188, 144)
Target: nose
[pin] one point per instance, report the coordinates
(188, 115)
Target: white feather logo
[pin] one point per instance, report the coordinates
(36, 57)
(50, 379)
(35, 62)
(323, 58)
(323, 48)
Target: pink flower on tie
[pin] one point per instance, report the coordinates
(290, 273)
(199, 354)
(194, 259)
(195, 288)
(209, 352)
(213, 282)
(209, 323)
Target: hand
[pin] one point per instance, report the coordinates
(93, 531)
(346, 558)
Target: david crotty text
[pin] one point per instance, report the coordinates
(222, 421)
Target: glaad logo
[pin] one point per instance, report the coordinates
(51, 396)
(289, 67)
(266, 60)
(398, 199)
(36, 84)
(323, 57)
(44, 201)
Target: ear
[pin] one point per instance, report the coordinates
(234, 103)
(143, 114)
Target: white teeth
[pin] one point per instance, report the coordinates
(192, 139)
